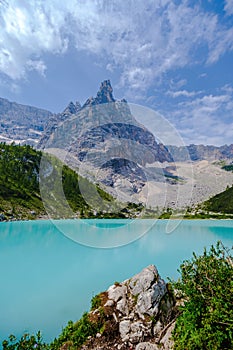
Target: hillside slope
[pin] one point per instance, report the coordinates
(20, 196)
(221, 203)
(21, 123)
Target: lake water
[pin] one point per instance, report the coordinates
(48, 279)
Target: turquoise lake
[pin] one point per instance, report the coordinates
(50, 270)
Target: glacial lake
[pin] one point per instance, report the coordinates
(51, 270)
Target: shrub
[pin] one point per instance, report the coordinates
(206, 319)
(26, 342)
(95, 302)
(75, 334)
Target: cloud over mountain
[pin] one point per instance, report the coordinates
(145, 39)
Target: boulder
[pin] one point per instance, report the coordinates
(138, 314)
(137, 305)
(2, 217)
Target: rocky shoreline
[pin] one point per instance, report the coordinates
(139, 314)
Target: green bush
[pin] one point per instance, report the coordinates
(95, 302)
(228, 167)
(75, 334)
(26, 342)
(206, 319)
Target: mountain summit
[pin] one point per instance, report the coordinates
(104, 95)
(107, 143)
(72, 108)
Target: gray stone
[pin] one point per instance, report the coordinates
(122, 306)
(2, 217)
(158, 290)
(144, 303)
(109, 302)
(148, 301)
(139, 331)
(166, 341)
(157, 328)
(134, 303)
(146, 346)
(143, 281)
(116, 293)
(124, 329)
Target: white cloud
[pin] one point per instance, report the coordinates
(227, 88)
(203, 75)
(177, 84)
(27, 32)
(38, 65)
(142, 39)
(207, 119)
(183, 93)
(229, 7)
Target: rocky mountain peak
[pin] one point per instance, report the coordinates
(104, 95)
(78, 105)
(72, 108)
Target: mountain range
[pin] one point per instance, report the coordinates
(27, 125)
(103, 141)
(21, 123)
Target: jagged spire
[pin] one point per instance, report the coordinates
(78, 106)
(104, 95)
(72, 108)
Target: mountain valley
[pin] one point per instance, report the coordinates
(104, 143)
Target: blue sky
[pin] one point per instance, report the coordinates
(174, 56)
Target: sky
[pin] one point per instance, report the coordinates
(174, 56)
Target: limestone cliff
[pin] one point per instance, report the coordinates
(102, 135)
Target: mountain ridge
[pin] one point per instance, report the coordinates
(104, 132)
(17, 117)
(102, 141)
(21, 123)
(201, 152)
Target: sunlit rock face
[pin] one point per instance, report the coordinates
(103, 136)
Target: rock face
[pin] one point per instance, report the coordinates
(103, 136)
(104, 95)
(21, 123)
(201, 152)
(137, 311)
(72, 108)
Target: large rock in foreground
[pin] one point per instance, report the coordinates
(138, 314)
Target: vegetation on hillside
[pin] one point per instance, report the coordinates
(20, 190)
(19, 185)
(228, 167)
(206, 319)
(26, 342)
(221, 203)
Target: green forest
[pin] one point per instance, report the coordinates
(221, 203)
(20, 196)
(20, 191)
